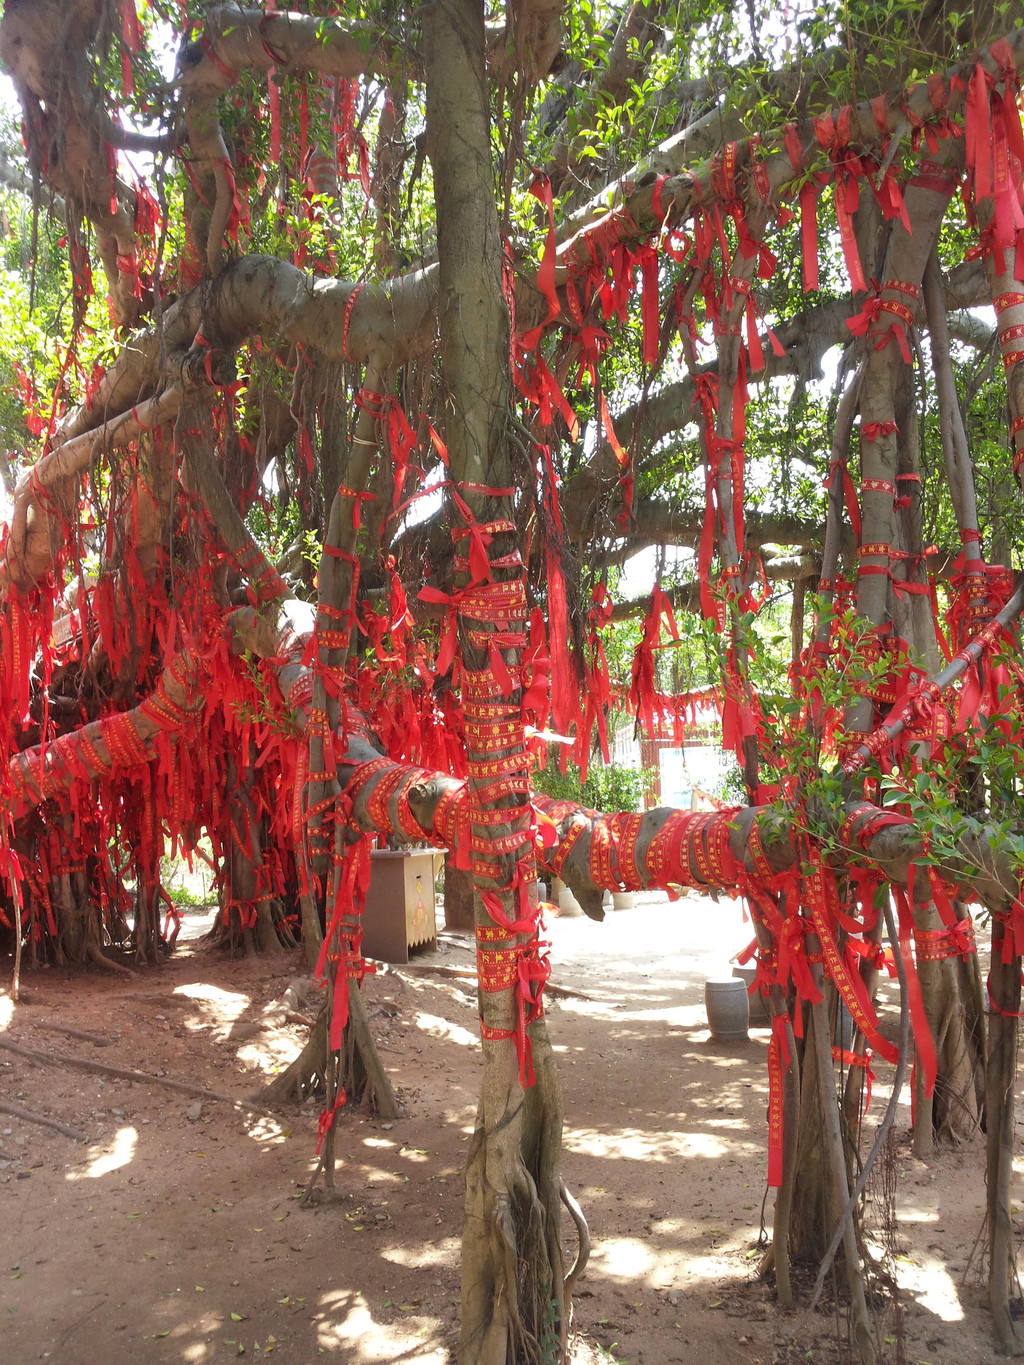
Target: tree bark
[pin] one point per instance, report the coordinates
(513, 1297)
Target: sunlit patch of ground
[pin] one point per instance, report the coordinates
(108, 1156)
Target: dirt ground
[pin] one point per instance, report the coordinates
(176, 1235)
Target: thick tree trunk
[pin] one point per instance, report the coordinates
(458, 896)
(513, 1296)
(884, 434)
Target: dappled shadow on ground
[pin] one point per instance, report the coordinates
(177, 1234)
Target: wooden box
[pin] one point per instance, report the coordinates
(399, 910)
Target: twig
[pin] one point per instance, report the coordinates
(582, 1234)
(73, 1327)
(902, 712)
(30, 1116)
(899, 133)
(128, 1074)
(96, 1039)
(974, 1250)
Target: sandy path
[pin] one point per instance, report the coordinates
(176, 1236)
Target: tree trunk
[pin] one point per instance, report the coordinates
(458, 896)
(513, 1296)
(906, 255)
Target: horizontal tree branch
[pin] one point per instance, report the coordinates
(971, 330)
(43, 496)
(805, 339)
(978, 868)
(624, 211)
(686, 596)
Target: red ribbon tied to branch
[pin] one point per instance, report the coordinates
(808, 210)
(540, 188)
(877, 431)
(450, 637)
(531, 971)
(848, 169)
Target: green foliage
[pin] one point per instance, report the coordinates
(611, 787)
(262, 706)
(967, 799)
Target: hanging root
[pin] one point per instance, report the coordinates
(381, 1092)
(308, 1072)
(95, 954)
(582, 1235)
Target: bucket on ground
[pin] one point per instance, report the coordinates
(727, 1004)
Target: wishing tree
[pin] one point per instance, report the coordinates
(415, 327)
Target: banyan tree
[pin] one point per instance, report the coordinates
(386, 339)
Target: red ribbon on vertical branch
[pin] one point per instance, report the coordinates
(536, 699)
(755, 351)
(650, 303)
(778, 1063)
(131, 37)
(847, 171)
(923, 1040)
(564, 698)
(821, 897)
(839, 467)
(620, 454)
(808, 210)
(643, 692)
(341, 945)
(978, 133)
(622, 458)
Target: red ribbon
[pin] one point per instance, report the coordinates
(540, 188)
(876, 431)
(777, 1049)
(849, 493)
(922, 1033)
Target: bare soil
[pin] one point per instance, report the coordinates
(177, 1233)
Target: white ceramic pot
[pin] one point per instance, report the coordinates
(623, 900)
(726, 1001)
(568, 905)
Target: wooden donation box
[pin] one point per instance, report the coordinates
(399, 910)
